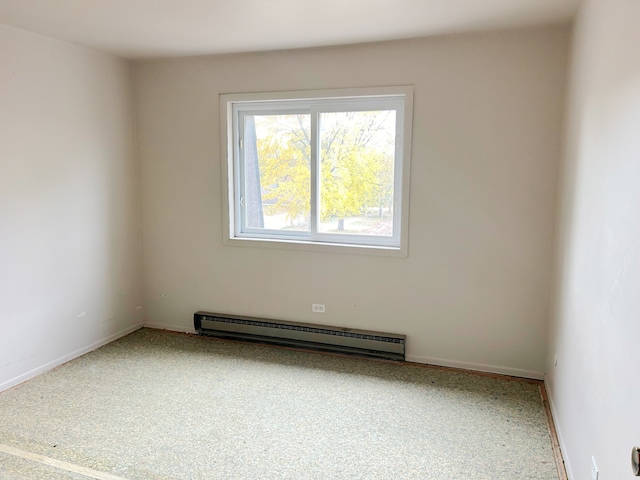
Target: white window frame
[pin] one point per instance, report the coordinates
(233, 108)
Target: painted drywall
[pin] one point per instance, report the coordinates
(594, 388)
(69, 224)
(475, 289)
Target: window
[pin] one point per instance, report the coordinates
(326, 168)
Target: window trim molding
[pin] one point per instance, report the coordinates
(228, 180)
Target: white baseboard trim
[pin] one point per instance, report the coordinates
(65, 358)
(478, 367)
(567, 464)
(172, 328)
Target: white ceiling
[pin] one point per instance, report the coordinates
(153, 28)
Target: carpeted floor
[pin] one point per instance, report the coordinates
(158, 405)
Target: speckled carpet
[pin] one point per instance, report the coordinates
(159, 405)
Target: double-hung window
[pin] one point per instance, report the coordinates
(318, 168)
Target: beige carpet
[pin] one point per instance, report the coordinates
(158, 405)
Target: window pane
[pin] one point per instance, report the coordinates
(357, 153)
(277, 186)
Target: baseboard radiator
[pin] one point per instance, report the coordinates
(302, 335)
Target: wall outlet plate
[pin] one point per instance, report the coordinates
(594, 469)
(317, 308)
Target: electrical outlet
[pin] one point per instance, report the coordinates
(317, 308)
(594, 469)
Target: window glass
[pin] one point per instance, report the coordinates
(277, 174)
(357, 158)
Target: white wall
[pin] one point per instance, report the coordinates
(594, 389)
(475, 289)
(69, 230)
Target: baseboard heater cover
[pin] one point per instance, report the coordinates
(302, 335)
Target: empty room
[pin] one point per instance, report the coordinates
(309, 240)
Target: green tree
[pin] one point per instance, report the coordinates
(356, 152)
(356, 163)
(284, 156)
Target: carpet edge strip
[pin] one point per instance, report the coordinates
(555, 443)
(52, 462)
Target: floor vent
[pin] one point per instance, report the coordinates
(302, 335)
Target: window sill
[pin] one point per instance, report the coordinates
(324, 247)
